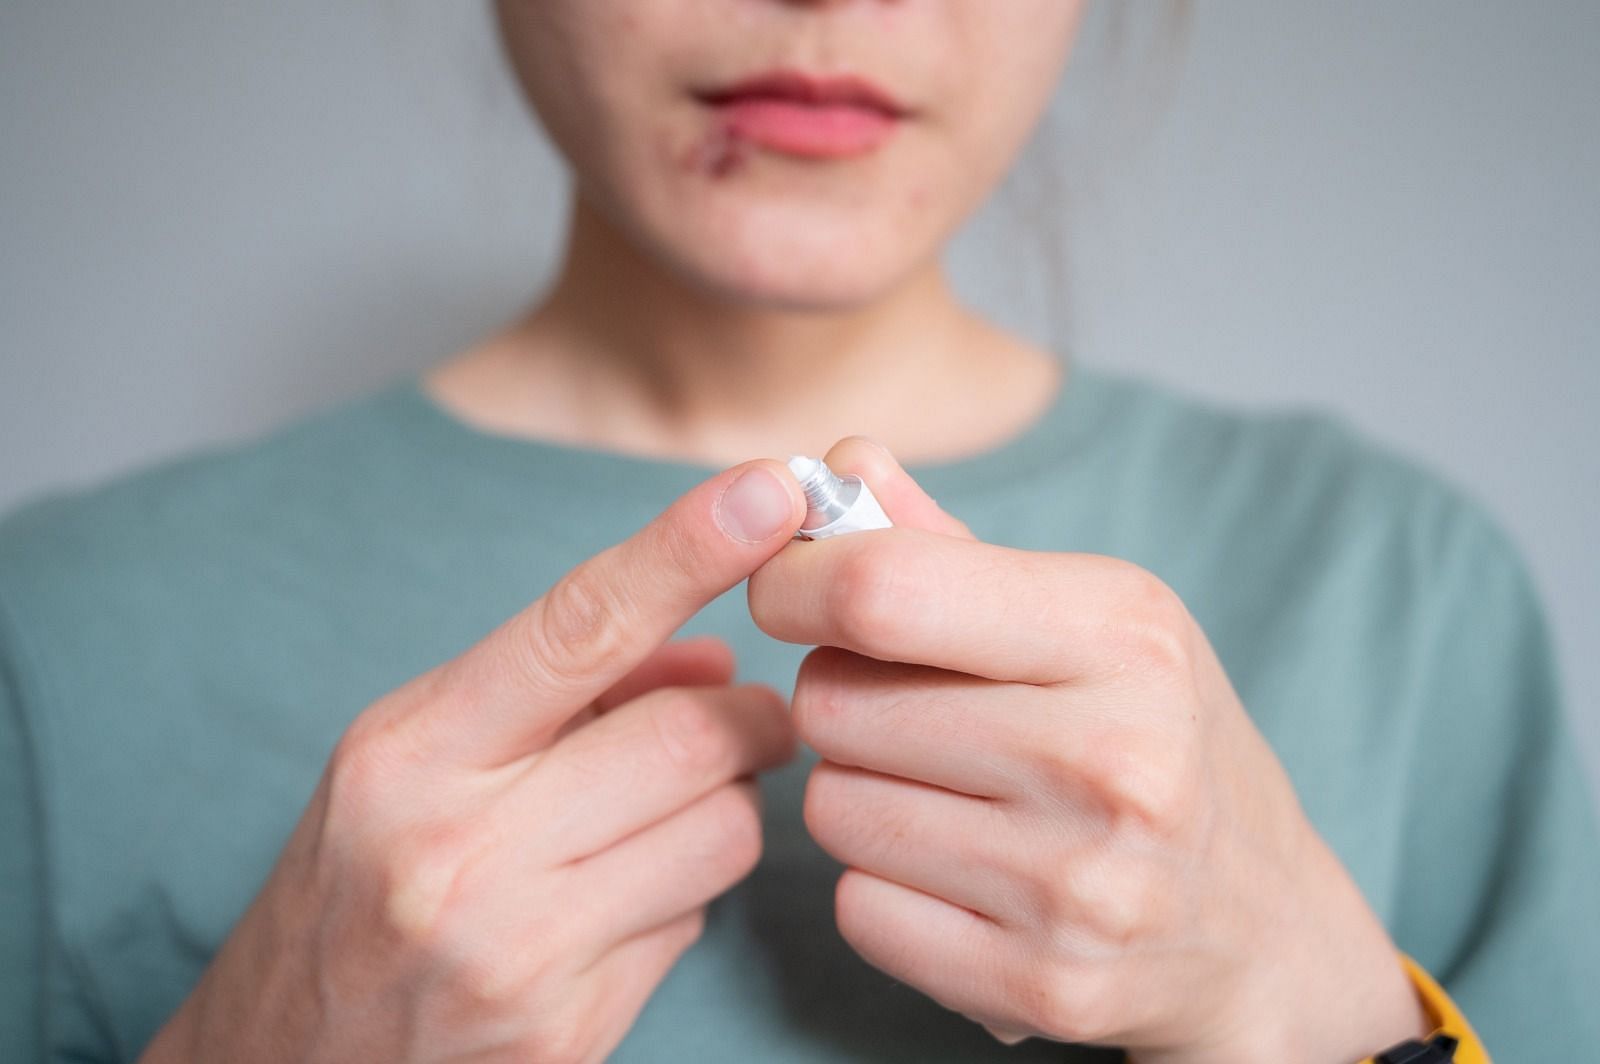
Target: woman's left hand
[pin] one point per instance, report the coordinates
(1057, 817)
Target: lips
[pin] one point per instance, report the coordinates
(817, 118)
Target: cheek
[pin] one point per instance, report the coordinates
(1021, 49)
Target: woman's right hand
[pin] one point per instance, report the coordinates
(506, 854)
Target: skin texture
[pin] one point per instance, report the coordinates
(613, 81)
(414, 913)
(1083, 810)
(769, 304)
(1068, 827)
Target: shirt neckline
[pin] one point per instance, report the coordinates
(1052, 438)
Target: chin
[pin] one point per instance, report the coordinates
(791, 260)
(769, 284)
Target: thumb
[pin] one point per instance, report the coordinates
(901, 497)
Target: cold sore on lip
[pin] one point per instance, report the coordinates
(797, 115)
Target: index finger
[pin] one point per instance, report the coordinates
(509, 693)
(902, 498)
(914, 596)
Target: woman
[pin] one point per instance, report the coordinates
(1210, 736)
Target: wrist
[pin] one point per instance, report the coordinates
(1348, 994)
(1324, 982)
(249, 1004)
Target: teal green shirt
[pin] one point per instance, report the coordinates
(180, 648)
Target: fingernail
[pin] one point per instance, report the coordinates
(755, 507)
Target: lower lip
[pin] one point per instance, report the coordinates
(812, 131)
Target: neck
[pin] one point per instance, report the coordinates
(623, 354)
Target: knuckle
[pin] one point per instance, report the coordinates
(486, 974)
(1059, 901)
(1075, 1010)
(564, 1039)
(819, 699)
(1051, 998)
(1144, 782)
(871, 597)
(1131, 776)
(888, 831)
(1048, 892)
(418, 884)
(1150, 624)
(490, 979)
(678, 937)
(692, 928)
(1056, 765)
(359, 771)
(735, 831)
(818, 809)
(1027, 987)
(691, 733)
(574, 632)
(676, 551)
(1099, 909)
(855, 919)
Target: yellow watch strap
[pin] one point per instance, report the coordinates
(1443, 1015)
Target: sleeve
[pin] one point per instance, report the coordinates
(22, 894)
(1500, 883)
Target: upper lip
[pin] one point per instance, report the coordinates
(801, 87)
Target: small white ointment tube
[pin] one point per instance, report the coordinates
(834, 504)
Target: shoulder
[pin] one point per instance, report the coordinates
(226, 480)
(1301, 482)
(169, 523)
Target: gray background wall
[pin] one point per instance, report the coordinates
(211, 220)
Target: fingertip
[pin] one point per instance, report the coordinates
(901, 497)
(712, 652)
(693, 661)
(776, 709)
(865, 457)
(773, 696)
(750, 784)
